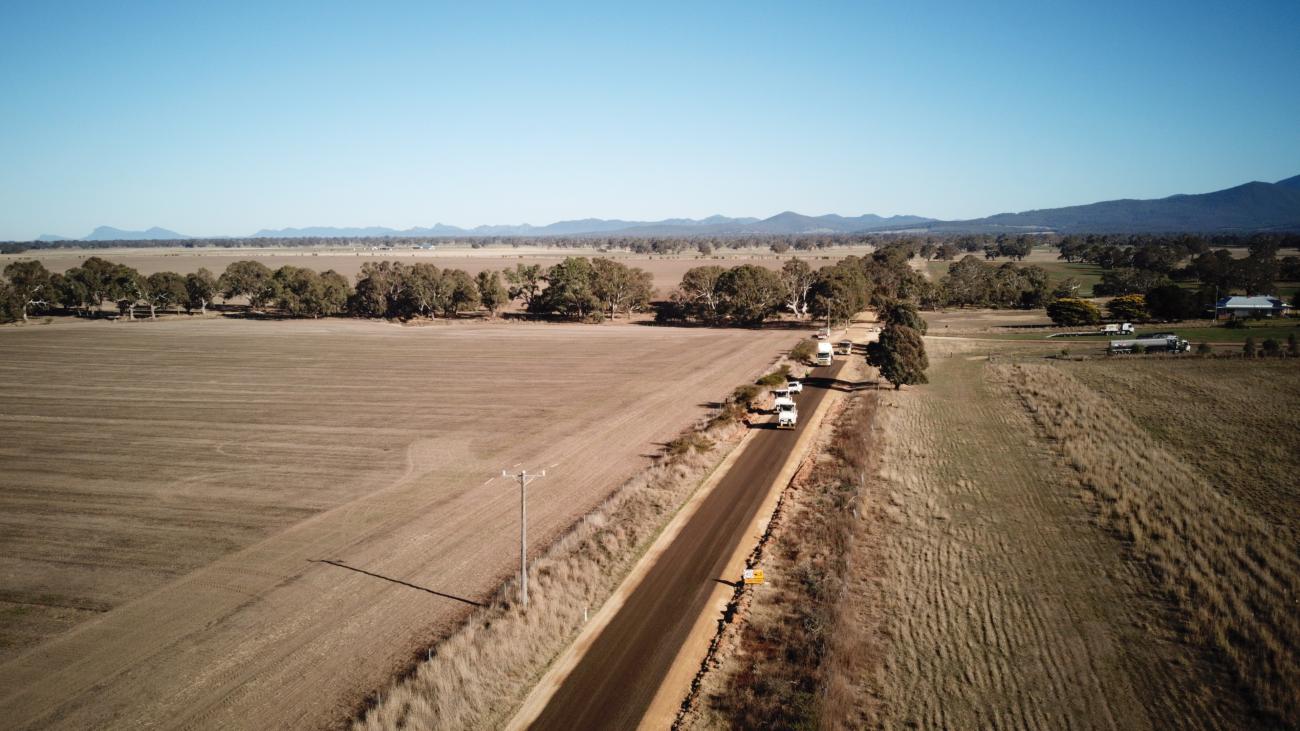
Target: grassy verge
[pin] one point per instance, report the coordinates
(1232, 574)
(1260, 331)
(476, 677)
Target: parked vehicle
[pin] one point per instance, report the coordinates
(823, 334)
(1170, 344)
(824, 354)
(1123, 328)
(794, 386)
(845, 347)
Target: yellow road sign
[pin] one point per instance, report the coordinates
(753, 576)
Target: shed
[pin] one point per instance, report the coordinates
(1262, 305)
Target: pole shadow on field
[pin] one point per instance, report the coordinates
(425, 589)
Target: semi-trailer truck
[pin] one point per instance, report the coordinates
(825, 354)
(1166, 344)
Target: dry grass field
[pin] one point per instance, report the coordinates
(1218, 544)
(209, 522)
(667, 270)
(1006, 596)
(1237, 422)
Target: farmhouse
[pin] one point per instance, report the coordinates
(1262, 306)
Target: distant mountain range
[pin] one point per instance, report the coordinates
(1250, 207)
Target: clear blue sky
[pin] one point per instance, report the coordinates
(227, 118)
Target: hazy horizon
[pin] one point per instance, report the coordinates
(225, 121)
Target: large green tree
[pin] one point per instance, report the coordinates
(249, 279)
(164, 289)
(569, 290)
(699, 292)
(905, 314)
(526, 281)
(620, 288)
(899, 355)
(381, 290)
(491, 292)
(200, 288)
(30, 284)
(749, 294)
(457, 293)
(798, 279)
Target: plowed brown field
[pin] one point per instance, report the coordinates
(233, 523)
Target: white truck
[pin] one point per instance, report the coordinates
(1123, 328)
(825, 354)
(787, 416)
(794, 386)
(845, 347)
(782, 401)
(1163, 344)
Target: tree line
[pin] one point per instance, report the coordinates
(576, 288)
(748, 294)
(1175, 278)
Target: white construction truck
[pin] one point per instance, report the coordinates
(787, 415)
(825, 354)
(782, 401)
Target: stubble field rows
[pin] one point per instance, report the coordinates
(215, 520)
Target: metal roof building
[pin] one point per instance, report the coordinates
(1246, 306)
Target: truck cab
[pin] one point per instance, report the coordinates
(824, 354)
(845, 347)
(787, 418)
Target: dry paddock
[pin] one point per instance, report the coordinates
(207, 522)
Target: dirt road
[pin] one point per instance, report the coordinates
(616, 680)
(292, 627)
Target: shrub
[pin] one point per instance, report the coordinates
(803, 352)
(1128, 307)
(1249, 348)
(1236, 324)
(1272, 348)
(745, 395)
(1292, 348)
(772, 380)
(684, 444)
(1073, 311)
(1204, 349)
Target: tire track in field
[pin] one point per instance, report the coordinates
(1003, 605)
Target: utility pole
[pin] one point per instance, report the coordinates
(524, 478)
